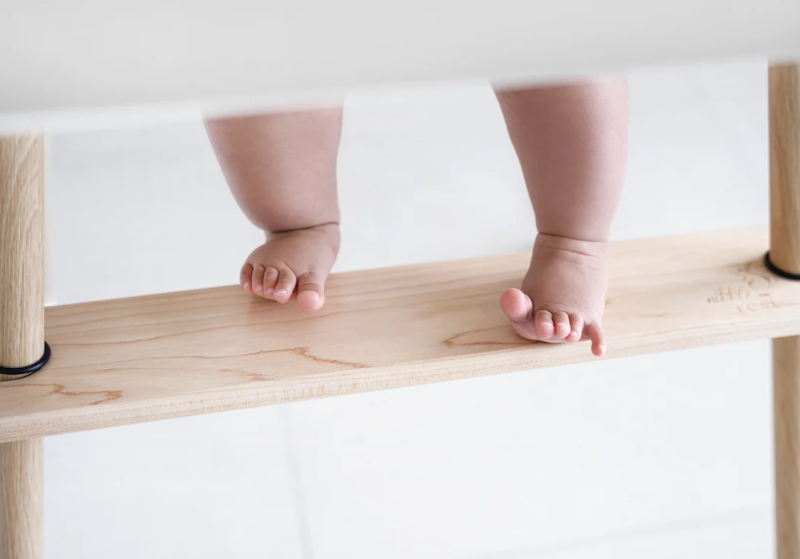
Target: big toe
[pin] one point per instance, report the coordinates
(310, 292)
(518, 308)
(516, 305)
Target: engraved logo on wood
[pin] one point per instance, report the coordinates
(753, 294)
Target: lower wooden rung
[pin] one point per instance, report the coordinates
(162, 356)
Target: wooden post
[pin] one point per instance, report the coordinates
(784, 139)
(22, 499)
(21, 334)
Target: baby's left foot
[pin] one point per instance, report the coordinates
(563, 294)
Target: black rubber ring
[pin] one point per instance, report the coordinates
(777, 271)
(30, 369)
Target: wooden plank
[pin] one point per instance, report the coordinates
(251, 53)
(162, 356)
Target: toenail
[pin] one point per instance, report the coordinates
(246, 285)
(281, 292)
(258, 287)
(270, 290)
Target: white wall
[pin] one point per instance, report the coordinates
(657, 456)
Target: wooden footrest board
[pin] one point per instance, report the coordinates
(171, 355)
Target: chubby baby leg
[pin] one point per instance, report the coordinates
(571, 141)
(281, 169)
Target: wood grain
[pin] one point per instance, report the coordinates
(21, 251)
(21, 335)
(21, 500)
(786, 396)
(784, 123)
(162, 356)
(784, 150)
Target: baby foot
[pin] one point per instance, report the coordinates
(563, 294)
(293, 262)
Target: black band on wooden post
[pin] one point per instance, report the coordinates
(777, 271)
(30, 369)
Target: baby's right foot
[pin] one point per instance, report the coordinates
(293, 262)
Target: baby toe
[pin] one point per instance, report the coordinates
(576, 328)
(561, 325)
(258, 279)
(270, 280)
(246, 278)
(285, 286)
(310, 292)
(543, 322)
(597, 336)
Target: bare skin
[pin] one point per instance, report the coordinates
(281, 169)
(571, 142)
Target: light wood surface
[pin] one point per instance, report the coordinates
(784, 122)
(21, 251)
(21, 335)
(784, 147)
(21, 500)
(255, 53)
(162, 356)
(786, 395)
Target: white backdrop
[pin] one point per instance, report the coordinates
(57, 55)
